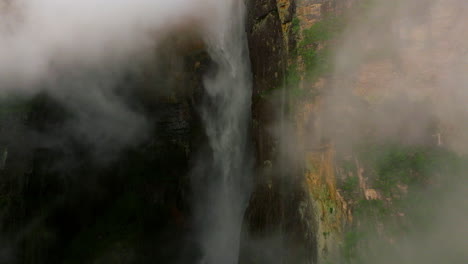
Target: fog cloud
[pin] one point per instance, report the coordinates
(399, 78)
(78, 52)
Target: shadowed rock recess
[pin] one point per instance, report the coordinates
(357, 132)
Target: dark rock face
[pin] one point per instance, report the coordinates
(268, 56)
(268, 59)
(266, 43)
(59, 205)
(272, 231)
(286, 221)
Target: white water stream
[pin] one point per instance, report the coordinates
(224, 193)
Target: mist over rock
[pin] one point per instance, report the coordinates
(257, 131)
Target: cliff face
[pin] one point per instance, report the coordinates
(296, 214)
(93, 213)
(312, 200)
(336, 181)
(61, 204)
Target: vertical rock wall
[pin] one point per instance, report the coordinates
(296, 214)
(59, 205)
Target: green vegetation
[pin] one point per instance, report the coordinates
(350, 245)
(351, 184)
(394, 164)
(323, 30)
(14, 105)
(314, 49)
(371, 210)
(411, 179)
(296, 27)
(315, 52)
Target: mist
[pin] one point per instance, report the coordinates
(80, 53)
(39, 34)
(404, 60)
(224, 175)
(397, 82)
(398, 78)
(382, 114)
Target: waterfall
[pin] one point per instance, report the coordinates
(222, 186)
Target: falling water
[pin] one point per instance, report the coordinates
(223, 188)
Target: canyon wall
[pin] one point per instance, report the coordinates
(296, 214)
(315, 191)
(61, 204)
(349, 132)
